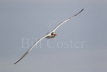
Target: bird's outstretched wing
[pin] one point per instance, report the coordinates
(65, 21)
(30, 48)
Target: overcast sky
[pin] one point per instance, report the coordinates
(80, 44)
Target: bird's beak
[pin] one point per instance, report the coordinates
(54, 34)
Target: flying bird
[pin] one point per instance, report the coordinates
(49, 35)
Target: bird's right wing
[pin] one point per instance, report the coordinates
(30, 49)
(65, 21)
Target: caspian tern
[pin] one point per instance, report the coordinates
(49, 35)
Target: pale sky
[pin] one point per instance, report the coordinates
(80, 44)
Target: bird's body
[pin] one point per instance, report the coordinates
(49, 35)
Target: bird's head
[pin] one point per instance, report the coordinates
(53, 33)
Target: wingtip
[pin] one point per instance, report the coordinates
(82, 9)
(14, 63)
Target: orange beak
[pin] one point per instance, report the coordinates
(54, 34)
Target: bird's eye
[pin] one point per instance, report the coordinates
(51, 33)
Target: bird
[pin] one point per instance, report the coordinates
(49, 35)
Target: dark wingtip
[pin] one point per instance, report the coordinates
(82, 9)
(79, 12)
(14, 63)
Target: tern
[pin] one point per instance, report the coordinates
(49, 35)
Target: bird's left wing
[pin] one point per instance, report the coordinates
(30, 49)
(65, 21)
